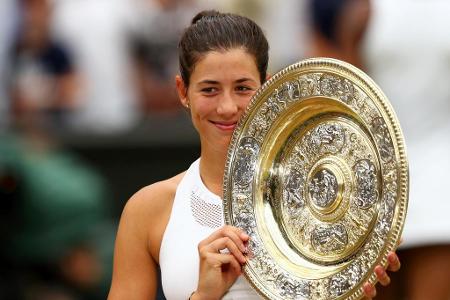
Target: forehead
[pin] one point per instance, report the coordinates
(227, 64)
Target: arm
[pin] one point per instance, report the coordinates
(134, 271)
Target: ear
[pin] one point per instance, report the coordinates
(182, 91)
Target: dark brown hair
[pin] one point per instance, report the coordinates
(214, 31)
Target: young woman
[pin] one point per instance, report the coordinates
(177, 223)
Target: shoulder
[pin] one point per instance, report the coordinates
(147, 213)
(154, 198)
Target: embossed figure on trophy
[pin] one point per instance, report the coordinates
(291, 288)
(288, 92)
(348, 92)
(309, 85)
(366, 183)
(282, 97)
(328, 138)
(293, 89)
(323, 188)
(245, 164)
(383, 138)
(329, 239)
(293, 191)
(246, 221)
(259, 128)
(272, 109)
(330, 85)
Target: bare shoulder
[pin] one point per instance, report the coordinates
(155, 198)
(152, 203)
(148, 212)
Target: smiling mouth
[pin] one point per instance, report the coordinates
(225, 126)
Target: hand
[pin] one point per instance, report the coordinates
(393, 265)
(220, 269)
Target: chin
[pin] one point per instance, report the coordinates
(224, 142)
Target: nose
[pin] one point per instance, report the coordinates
(228, 106)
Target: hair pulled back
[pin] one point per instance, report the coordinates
(214, 31)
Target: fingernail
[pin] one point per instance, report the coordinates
(244, 235)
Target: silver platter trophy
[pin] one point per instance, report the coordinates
(317, 175)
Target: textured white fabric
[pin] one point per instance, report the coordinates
(178, 258)
(407, 51)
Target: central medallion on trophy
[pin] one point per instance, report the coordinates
(326, 192)
(323, 188)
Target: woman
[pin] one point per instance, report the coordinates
(177, 223)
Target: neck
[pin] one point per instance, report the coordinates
(212, 167)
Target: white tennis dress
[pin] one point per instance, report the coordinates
(196, 213)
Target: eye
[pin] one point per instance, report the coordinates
(243, 88)
(209, 90)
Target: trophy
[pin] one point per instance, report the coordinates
(317, 176)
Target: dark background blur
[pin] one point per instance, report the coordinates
(89, 115)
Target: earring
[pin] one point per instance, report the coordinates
(187, 105)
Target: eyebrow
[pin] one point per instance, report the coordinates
(208, 81)
(244, 79)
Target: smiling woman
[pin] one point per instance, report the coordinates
(220, 89)
(178, 223)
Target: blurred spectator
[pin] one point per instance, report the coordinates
(97, 35)
(154, 50)
(337, 28)
(407, 52)
(283, 22)
(54, 223)
(42, 77)
(8, 20)
(55, 218)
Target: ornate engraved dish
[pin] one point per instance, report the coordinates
(317, 175)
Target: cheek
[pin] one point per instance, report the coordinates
(245, 101)
(202, 109)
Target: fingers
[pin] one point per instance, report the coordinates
(221, 260)
(227, 237)
(369, 291)
(384, 279)
(228, 243)
(382, 276)
(234, 233)
(394, 263)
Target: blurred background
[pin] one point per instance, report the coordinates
(89, 115)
